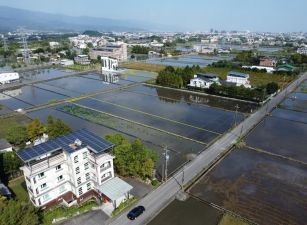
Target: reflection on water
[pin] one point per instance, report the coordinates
(10, 93)
(110, 77)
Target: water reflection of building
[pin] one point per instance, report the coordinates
(110, 77)
(10, 94)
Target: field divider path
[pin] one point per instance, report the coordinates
(141, 124)
(276, 155)
(156, 116)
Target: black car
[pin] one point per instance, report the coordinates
(134, 213)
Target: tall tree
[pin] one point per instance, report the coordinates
(35, 129)
(17, 135)
(17, 213)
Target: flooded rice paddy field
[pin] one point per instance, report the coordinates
(265, 181)
(201, 116)
(43, 74)
(280, 136)
(179, 148)
(185, 128)
(189, 212)
(190, 60)
(173, 96)
(263, 188)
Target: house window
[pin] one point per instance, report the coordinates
(77, 170)
(41, 175)
(87, 175)
(46, 197)
(76, 159)
(62, 189)
(79, 180)
(60, 178)
(84, 155)
(58, 167)
(44, 185)
(86, 166)
(80, 191)
(88, 186)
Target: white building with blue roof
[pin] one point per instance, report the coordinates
(71, 169)
(239, 79)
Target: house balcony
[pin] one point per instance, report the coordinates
(102, 169)
(46, 163)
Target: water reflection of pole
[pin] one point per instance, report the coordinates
(166, 158)
(236, 114)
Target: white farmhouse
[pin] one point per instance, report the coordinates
(7, 77)
(71, 169)
(201, 80)
(239, 79)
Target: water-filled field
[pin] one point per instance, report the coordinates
(263, 188)
(265, 180)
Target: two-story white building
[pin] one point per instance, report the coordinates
(71, 169)
(82, 60)
(239, 79)
(202, 80)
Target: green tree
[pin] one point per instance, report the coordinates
(132, 159)
(10, 165)
(17, 135)
(271, 88)
(56, 128)
(35, 129)
(86, 51)
(17, 213)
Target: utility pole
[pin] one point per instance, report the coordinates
(25, 52)
(166, 158)
(236, 114)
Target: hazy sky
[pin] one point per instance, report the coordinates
(193, 15)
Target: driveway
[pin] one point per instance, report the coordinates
(140, 189)
(95, 217)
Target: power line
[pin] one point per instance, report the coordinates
(25, 51)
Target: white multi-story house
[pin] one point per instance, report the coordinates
(109, 64)
(71, 169)
(239, 79)
(7, 77)
(202, 80)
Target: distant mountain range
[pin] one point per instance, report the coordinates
(12, 18)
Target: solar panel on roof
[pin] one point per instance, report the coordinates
(96, 143)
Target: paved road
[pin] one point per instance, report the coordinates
(159, 198)
(90, 218)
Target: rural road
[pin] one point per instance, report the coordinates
(155, 201)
